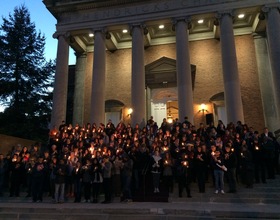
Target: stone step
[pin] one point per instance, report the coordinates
(259, 202)
(137, 211)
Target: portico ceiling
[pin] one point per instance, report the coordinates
(81, 41)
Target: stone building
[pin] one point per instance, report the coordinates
(165, 58)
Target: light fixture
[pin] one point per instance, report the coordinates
(240, 16)
(202, 107)
(169, 116)
(124, 31)
(130, 110)
(91, 35)
(161, 26)
(200, 21)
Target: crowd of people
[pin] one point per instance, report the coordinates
(81, 162)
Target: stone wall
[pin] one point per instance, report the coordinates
(8, 142)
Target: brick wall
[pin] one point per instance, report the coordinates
(205, 54)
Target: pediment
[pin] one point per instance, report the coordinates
(161, 73)
(163, 64)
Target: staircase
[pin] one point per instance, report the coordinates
(259, 202)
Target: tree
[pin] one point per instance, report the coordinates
(25, 77)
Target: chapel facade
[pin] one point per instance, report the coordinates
(207, 60)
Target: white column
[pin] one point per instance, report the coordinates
(184, 73)
(266, 82)
(78, 106)
(273, 33)
(61, 83)
(138, 103)
(98, 79)
(233, 101)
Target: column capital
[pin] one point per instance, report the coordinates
(143, 26)
(56, 34)
(104, 31)
(80, 54)
(220, 14)
(268, 7)
(186, 19)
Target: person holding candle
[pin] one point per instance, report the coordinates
(86, 179)
(200, 164)
(107, 175)
(246, 167)
(156, 170)
(77, 181)
(183, 175)
(60, 172)
(259, 160)
(97, 179)
(217, 162)
(230, 163)
(168, 167)
(127, 169)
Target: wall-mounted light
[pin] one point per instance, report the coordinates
(130, 110)
(203, 108)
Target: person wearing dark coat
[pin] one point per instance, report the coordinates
(107, 177)
(60, 173)
(16, 168)
(86, 179)
(97, 180)
(184, 175)
(200, 164)
(3, 167)
(38, 175)
(259, 160)
(77, 180)
(269, 147)
(127, 170)
(246, 167)
(230, 163)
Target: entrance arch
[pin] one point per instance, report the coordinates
(113, 111)
(161, 88)
(218, 101)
